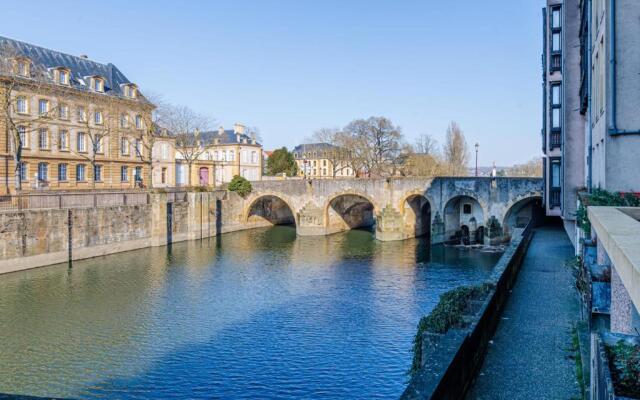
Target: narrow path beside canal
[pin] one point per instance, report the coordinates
(530, 354)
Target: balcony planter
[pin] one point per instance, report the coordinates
(615, 366)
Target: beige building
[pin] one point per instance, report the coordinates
(223, 155)
(79, 122)
(322, 161)
(164, 162)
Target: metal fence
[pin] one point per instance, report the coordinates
(38, 201)
(601, 383)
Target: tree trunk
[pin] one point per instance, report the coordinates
(150, 174)
(189, 173)
(18, 181)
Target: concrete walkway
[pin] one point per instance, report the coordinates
(529, 357)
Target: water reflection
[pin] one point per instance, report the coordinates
(260, 313)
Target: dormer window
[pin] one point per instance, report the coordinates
(131, 91)
(62, 76)
(23, 67)
(98, 84)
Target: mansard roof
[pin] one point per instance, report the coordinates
(227, 136)
(80, 68)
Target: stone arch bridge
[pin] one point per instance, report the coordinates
(446, 208)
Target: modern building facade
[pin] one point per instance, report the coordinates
(76, 122)
(322, 161)
(591, 127)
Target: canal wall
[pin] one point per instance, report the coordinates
(35, 238)
(451, 361)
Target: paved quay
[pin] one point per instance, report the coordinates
(529, 356)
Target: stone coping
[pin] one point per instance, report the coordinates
(619, 234)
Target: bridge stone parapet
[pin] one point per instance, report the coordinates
(402, 208)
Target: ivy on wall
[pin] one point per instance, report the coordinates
(599, 197)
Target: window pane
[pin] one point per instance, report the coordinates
(555, 95)
(555, 42)
(555, 174)
(555, 118)
(555, 18)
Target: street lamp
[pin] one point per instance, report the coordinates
(477, 146)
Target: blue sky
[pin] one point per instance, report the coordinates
(291, 67)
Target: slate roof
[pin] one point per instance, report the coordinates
(311, 147)
(80, 67)
(228, 136)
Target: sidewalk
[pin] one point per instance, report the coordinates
(529, 357)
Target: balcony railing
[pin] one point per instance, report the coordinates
(555, 140)
(554, 197)
(555, 62)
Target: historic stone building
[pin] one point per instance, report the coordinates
(223, 154)
(79, 122)
(164, 161)
(322, 161)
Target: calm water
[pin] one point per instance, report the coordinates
(255, 314)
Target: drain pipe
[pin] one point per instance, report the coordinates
(589, 89)
(613, 126)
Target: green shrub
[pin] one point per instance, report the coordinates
(599, 197)
(240, 185)
(200, 189)
(447, 314)
(624, 359)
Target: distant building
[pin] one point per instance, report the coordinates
(164, 161)
(322, 161)
(224, 154)
(66, 110)
(591, 124)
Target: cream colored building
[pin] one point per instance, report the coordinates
(224, 154)
(69, 113)
(164, 161)
(322, 161)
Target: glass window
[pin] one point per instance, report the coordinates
(63, 111)
(555, 173)
(82, 115)
(97, 117)
(23, 68)
(43, 139)
(21, 105)
(124, 174)
(63, 77)
(124, 146)
(42, 171)
(123, 120)
(555, 95)
(62, 140)
(98, 145)
(555, 17)
(555, 118)
(163, 177)
(137, 174)
(98, 85)
(97, 173)
(80, 141)
(80, 172)
(138, 147)
(43, 106)
(138, 122)
(62, 172)
(555, 42)
(23, 171)
(22, 134)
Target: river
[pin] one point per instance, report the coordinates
(252, 314)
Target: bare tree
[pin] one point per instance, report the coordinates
(456, 152)
(425, 144)
(532, 168)
(254, 133)
(422, 161)
(375, 145)
(18, 74)
(186, 125)
(150, 130)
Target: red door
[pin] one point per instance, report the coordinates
(204, 176)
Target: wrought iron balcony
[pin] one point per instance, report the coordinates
(554, 197)
(556, 62)
(555, 140)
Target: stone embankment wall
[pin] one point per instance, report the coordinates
(35, 238)
(451, 361)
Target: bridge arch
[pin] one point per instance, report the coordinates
(464, 219)
(415, 208)
(521, 210)
(270, 208)
(349, 210)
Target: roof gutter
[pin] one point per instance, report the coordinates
(613, 125)
(589, 88)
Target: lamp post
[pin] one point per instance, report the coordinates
(477, 146)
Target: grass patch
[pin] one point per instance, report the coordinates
(575, 348)
(448, 313)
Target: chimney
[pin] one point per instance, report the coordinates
(84, 56)
(238, 128)
(220, 130)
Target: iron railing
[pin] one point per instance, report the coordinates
(39, 201)
(554, 197)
